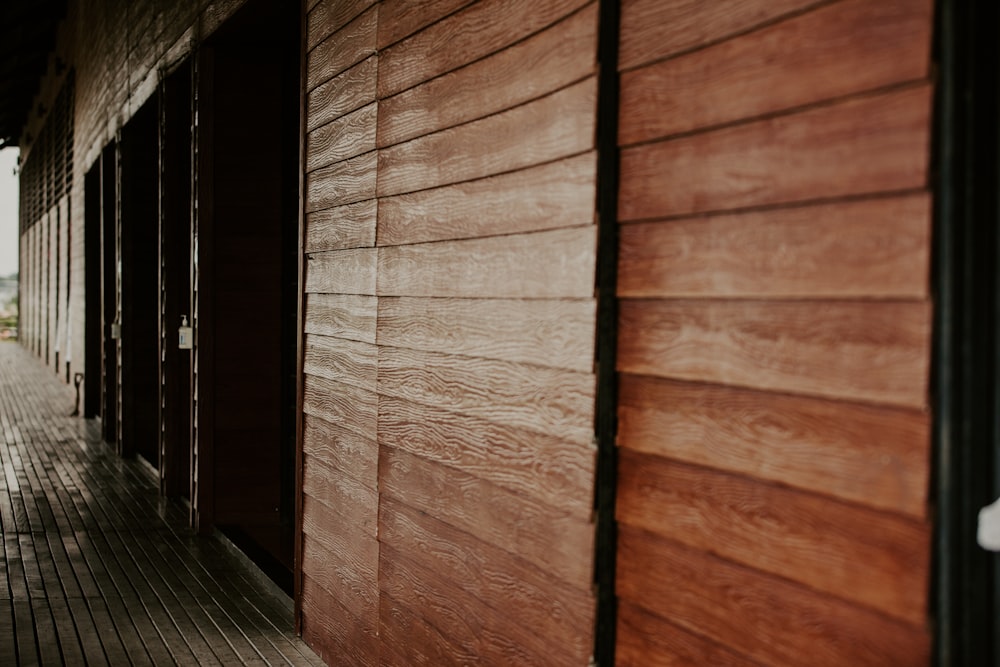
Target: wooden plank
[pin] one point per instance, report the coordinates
(863, 351)
(341, 183)
(336, 573)
(483, 28)
(545, 332)
(654, 29)
(341, 404)
(866, 145)
(335, 634)
(406, 638)
(645, 640)
(341, 227)
(873, 558)
(543, 265)
(343, 138)
(349, 316)
(350, 271)
(343, 49)
(401, 18)
(554, 611)
(493, 636)
(353, 503)
(554, 540)
(552, 469)
(877, 248)
(549, 196)
(328, 16)
(547, 61)
(8, 648)
(556, 126)
(867, 455)
(769, 619)
(342, 94)
(546, 400)
(45, 631)
(341, 449)
(342, 360)
(841, 49)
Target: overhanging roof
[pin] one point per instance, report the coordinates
(27, 36)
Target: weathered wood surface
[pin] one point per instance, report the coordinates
(342, 94)
(547, 61)
(549, 196)
(342, 227)
(401, 18)
(646, 640)
(866, 351)
(769, 619)
(841, 49)
(329, 16)
(341, 449)
(345, 182)
(466, 36)
(97, 567)
(343, 138)
(865, 145)
(345, 48)
(350, 316)
(875, 248)
(869, 455)
(336, 634)
(351, 271)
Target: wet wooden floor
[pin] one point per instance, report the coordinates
(97, 569)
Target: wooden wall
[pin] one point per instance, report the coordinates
(774, 332)
(449, 324)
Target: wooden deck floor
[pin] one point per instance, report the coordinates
(96, 568)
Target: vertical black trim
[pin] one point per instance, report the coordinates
(967, 297)
(607, 331)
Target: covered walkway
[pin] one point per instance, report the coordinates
(97, 568)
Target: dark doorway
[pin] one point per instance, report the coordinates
(139, 154)
(109, 294)
(248, 142)
(175, 282)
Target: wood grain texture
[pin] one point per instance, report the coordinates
(544, 332)
(547, 61)
(654, 29)
(866, 351)
(406, 638)
(506, 583)
(492, 635)
(871, 456)
(771, 620)
(353, 507)
(329, 16)
(343, 49)
(547, 400)
(343, 138)
(478, 30)
(342, 360)
(349, 316)
(878, 248)
(333, 632)
(645, 640)
(341, 449)
(865, 145)
(334, 575)
(355, 553)
(542, 265)
(341, 404)
(554, 470)
(342, 94)
(870, 557)
(549, 196)
(556, 126)
(345, 182)
(555, 541)
(401, 18)
(342, 227)
(342, 271)
(843, 48)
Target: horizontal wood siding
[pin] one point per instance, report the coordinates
(450, 250)
(774, 332)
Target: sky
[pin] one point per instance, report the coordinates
(8, 211)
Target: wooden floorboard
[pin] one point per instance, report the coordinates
(96, 568)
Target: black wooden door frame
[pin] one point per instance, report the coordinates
(966, 364)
